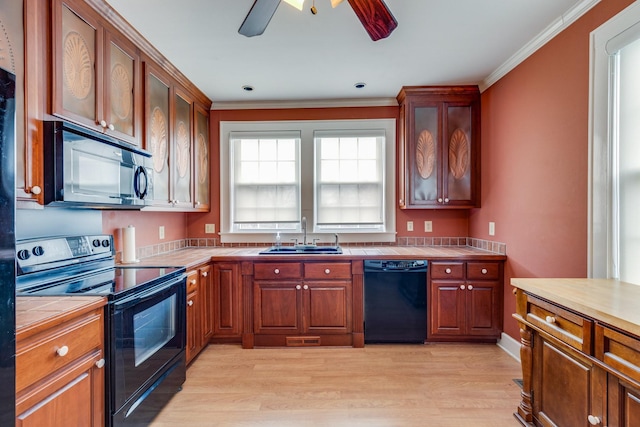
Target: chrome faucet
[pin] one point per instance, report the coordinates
(303, 225)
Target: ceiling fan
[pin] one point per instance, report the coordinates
(374, 15)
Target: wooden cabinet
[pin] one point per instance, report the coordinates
(59, 371)
(96, 72)
(439, 147)
(199, 315)
(202, 186)
(464, 300)
(226, 302)
(302, 303)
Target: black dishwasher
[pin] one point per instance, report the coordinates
(395, 301)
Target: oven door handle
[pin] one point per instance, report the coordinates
(147, 294)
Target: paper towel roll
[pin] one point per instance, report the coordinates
(129, 244)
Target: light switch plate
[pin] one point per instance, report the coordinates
(492, 228)
(210, 228)
(161, 232)
(409, 225)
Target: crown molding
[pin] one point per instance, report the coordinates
(540, 40)
(323, 103)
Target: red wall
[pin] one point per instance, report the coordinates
(449, 224)
(147, 226)
(535, 159)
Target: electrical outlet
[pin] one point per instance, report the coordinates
(409, 225)
(161, 232)
(492, 228)
(428, 226)
(210, 228)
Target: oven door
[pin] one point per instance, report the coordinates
(147, 334)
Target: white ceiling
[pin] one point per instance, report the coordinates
(305, 57)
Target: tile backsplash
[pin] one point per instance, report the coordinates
(487, 245)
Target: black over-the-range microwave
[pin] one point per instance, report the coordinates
(83, 168)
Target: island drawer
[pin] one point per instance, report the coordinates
(447, 270)
(566, 326)
(335, 270)
(277, 270)
(53, 349)
(619, 351)
(483, 270)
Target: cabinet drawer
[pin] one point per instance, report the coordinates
(277, 270)
(334, 270)
(564, 325)
(447, 270)
(57, 347)
(192, 281)
(483, 270)
(620, 351)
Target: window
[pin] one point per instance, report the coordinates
(339, 175)
(614, 205)
(349, 182)
(265, 180)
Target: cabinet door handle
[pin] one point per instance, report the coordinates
(305, 287)
(446, 200)
(439, 199)
(103, 123)
(484, 271)
(447, 270)
(193, 281)
(470, 287)
(593, 420)
(462, 287)
(205, 274)
(100, 364)
(111, 126)
(190, 302)
(327, 271)
(276, 271)
(62, 351)
(550, 319)
(298, 287)
(36, 190)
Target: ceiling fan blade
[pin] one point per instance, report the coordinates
(375, 17)
(258, 17)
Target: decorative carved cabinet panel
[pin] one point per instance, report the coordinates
(158, 93)
(439, 147)
(96, 73)
(182, 151)
(201, 162)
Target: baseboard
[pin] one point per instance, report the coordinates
(510, 346)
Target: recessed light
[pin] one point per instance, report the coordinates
(247, 88)
(359, 85)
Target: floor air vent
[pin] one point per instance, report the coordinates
(302, 341)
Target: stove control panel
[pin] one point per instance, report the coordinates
(45, 251)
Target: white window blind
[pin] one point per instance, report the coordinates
(265, 180)
(349, 180)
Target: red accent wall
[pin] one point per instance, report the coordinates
(535, 159)
(147, 226)
(449, 224)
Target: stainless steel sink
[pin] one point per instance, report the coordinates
(301, 249)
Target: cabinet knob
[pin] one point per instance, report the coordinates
(36, 190)
(446, 200)
(100, 364)
(550, 319)
(192, 281)
(327, 271)
(62, 351)
(401, 202)
(470, 287)
(462, 287)
(593, 420)
(439, 199)
(190, 302)
(305, 287)
(276, 271)
(484, 271)
(447, 270)
(205, 273)
(102, 123)
(111, 126)
(298, 287)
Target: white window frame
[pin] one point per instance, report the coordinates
(306, 129)
(604, 42)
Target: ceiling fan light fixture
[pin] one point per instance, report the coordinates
(298, 4)
(335, 3)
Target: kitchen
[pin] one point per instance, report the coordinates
(534, 170)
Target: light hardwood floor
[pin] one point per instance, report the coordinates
(429, 385)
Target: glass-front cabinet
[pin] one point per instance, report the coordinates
(201, 161)
(439, 146)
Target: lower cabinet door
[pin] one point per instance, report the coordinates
(277, 307)
(623, 403)
(194, 327)
(568, 390)
(326, 307)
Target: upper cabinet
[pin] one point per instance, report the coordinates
(96, 73)
(85, 64)
(439, 147)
